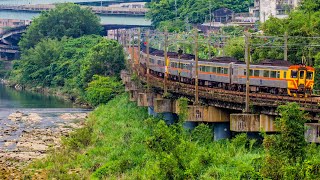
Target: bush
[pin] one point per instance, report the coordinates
(102, 89)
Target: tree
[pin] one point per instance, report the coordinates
(102, 89)
(193, 11)
(286, 152)
(106, 58)
(235, 48)
(65, 20)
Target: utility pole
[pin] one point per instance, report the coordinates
(196, 59)
(209, 44)
(165, 88)
(247, 59)
(139, 45)
(148, 59)
(132, 50)
(285, 46)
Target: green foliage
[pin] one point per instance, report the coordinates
(101, 89)
(202, 134)
(235, 48)
(291, 124)
(183, 109)
(172, 26)
(193, 11)
(80, 138)
(69, 63)
(66, 19)
(305, 23)
(106, 58)
(285, 153)
(125, 143)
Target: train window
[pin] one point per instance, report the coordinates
(301, 75)
(284, 74)
(159, 62)
(185, 66)
(278, 74)
(250, 72)
(151, 60)
(226, 70)
(214, 69)
(294, 73)
(208, 68)
(273, 74)
(202, 68)
(266, 73)
(244, 72)
(309, 75)
(256, 73)
(218, 69)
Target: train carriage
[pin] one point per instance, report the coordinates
(271, 76)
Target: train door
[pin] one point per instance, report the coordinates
(230, 73)
(302, 79)
(234, 74)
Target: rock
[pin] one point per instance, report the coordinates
(74, 116)
(31, 118)
(18, 87)
(19, 116)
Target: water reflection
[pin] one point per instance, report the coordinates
(10, 98)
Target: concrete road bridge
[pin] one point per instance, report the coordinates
(222, 108)
(98, 10)
(9, 39)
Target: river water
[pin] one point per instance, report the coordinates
(48, 109)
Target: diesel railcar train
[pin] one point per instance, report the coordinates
(269, 76)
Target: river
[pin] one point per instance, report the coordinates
(31, 122)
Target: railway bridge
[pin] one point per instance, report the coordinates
(222, 108)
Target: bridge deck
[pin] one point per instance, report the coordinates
(95, 9)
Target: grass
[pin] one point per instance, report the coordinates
(120, 141)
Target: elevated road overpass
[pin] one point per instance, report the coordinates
(98, 10)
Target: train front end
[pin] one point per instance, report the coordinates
(300, 80)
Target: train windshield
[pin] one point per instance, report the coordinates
(301, 75)
(309, 75)
(294, 74)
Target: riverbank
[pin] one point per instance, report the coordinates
(120, 141)
(29, 134)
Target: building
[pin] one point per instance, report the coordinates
(10, 23)
(263, 9)
(223, 15)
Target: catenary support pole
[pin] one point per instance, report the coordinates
(247, 59)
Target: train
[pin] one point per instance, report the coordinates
(269, 76)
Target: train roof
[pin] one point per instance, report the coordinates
(225, 59)
(272, 62)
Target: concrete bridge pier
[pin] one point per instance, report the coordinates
(189, 125)
(219, 118)
(221, 130)
(164, 109)
(252, 124)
